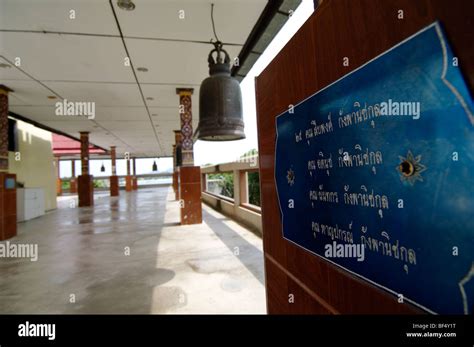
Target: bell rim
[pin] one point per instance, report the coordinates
(222, 134)
(214, 139)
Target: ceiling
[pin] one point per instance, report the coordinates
(83, 59)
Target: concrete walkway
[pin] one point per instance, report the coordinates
(130, 255)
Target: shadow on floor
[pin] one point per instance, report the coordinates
(248, 254)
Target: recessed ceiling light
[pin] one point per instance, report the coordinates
(150, 98)
(52, 97)
(142, 69)
(3, 65)
(126, 5)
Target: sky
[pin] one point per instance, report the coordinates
(217, 152)
(144, 166)
(222, 152)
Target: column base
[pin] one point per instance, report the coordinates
(175, 184)
(73, 186)
(114, 186)
(128, 183)
(59, 187)
(190, 194)
(8, 227)
(85, 190)
(134, 183)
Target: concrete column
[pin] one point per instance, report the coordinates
(177, 159)
(73, 182)
(186, 115)
(236, 175)
(174, 170)
(128, 178)
(243, 187)
(7, 180)
(190, 194)
(174, 157)
(114, 182)
(203, 182)
(85, 181)
(59, 183)
(134, 177)
(4, 90)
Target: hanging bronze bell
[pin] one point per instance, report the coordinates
(220, 101)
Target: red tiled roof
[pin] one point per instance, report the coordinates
(63, 145)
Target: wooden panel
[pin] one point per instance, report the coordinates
(287, 295)
(359, 30)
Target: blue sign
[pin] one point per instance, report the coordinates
(375, 173)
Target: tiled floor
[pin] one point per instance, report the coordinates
(130, 255)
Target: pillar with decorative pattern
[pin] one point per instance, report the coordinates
(128, 178)
(174, 183)
(85, 187)
(177, 159)
(189, 176)
(4, 90)
(134, 177)
(59, 182)
(174, 158)
(186, 116)
(7, 180)
(73, 181)
(114, 182)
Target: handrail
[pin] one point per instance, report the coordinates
(123, 176)
(237, 208)
(245, 163)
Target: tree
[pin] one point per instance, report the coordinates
(250, 153)
(254, 188)
(225, 183)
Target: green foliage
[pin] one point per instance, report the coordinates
(254, 188)
(226, 183)
(100, 184)
(249, 153)
(65, 185)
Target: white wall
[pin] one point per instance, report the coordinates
(34, 167)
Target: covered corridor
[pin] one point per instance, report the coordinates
(84, 265)
(237, 157)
